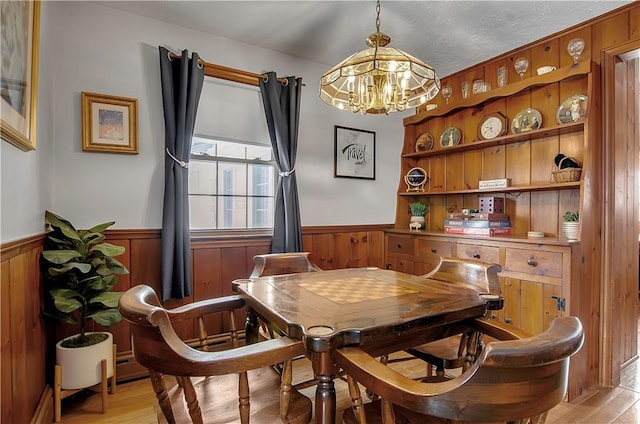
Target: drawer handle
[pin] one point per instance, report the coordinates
(531, 262)
(476, 255)
(507, 320)
(399, 246)
(433, 250)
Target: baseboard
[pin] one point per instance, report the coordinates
(44, 409)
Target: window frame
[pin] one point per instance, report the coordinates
(234, 232)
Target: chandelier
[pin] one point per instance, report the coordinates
(379, 79)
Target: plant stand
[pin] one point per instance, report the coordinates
(59, 393)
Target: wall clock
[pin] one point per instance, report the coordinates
(492, 126)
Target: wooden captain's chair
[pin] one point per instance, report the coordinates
(459, 351)
(230, 373)
(282, 263)
(279, 264)
(516, 379)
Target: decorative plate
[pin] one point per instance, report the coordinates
(450, 137)
(424, 142)
(573, 109)
(526, 120)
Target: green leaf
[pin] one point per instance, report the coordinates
(106, 317)
(108, 299)
(66, 300)
(62, 224)
(116, 266)
(100, 284)
(55, 272)
(108, 249)
(60, 256)
(101, 227)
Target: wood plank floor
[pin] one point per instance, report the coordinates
(135, 403)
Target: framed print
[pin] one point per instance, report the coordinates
(109, 123)
(355, 153)
(19, 72)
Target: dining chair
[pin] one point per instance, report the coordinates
(516, 379)
(459, 351)
(234, 374)
(282, 263)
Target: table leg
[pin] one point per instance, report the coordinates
(251, 327)
(325, 372)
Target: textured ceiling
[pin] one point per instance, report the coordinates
(449, 35)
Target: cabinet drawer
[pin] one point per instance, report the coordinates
(537, 262)
(401, 245)
(431, 250)
(479, 253)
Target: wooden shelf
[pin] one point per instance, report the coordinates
(581, 68)
(506, 139)
(541, 187)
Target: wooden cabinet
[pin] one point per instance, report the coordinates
(542, 279)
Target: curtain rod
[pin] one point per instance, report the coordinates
(229, 74)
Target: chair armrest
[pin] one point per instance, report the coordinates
(390, 384)
(229, 361)
(562, 339)
(498, 329)
(205, 307)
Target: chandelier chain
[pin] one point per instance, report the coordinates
(378, 16)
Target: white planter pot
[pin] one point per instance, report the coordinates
(570, 230)
(416, 220)
(81, 366)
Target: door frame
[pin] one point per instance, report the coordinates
(611, 355)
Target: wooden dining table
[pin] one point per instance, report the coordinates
(382, 311)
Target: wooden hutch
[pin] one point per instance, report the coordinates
(542, 278)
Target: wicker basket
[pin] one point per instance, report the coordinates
(566, 175)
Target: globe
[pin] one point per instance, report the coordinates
(415, 179)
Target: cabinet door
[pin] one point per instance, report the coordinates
(530, 305)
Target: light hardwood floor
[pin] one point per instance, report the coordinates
(135, 403)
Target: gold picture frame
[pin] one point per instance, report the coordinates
(19, 76)
(109, 123)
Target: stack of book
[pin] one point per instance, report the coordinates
(478, 224)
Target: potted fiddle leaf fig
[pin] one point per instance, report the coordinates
(79, 270)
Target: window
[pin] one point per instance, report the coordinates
(231, 180)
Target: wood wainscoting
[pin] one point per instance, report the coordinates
(27, 341)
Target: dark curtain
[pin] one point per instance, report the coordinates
(282, 108)
(182, 80)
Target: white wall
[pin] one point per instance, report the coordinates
(87, 47)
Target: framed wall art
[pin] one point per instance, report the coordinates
(109, 123)
(19, 72)
(355, 153)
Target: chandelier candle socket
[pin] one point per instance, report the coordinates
(379, 79)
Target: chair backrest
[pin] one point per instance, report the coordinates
(511, 380)
(480, 276)
(282, 263)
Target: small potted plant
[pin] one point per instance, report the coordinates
(79, 269)
(417, 220)
(571, 225)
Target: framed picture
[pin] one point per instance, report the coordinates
(19, 72)
(109, 123)
(355, 153)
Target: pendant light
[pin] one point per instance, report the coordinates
(379, 79)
